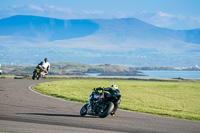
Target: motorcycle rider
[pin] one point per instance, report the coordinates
(113, 90)
(99, 92)
(44, 65)
(42, 68)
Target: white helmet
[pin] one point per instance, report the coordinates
(114, 86)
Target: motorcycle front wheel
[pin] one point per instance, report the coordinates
(109, 108)
(34, 75)
(83, 110)
(38, 76)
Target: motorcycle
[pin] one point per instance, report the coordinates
(102, 107)
(39, 72)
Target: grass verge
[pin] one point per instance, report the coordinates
(172, 99)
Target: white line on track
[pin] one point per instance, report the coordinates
(30, 88)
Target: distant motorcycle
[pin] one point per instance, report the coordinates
(102, 107)
(39, 72)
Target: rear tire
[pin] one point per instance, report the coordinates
(107, 111)
(84, 109)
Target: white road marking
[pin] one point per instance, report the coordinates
(30, 88)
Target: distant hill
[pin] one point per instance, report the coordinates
(68, 68)
(28, 39)
(46, 28)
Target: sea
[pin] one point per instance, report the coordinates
(172, 74)
(163, 74)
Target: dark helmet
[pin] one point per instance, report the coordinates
(45, 60)
(98, 91)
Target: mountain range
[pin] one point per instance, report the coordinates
(26, 40)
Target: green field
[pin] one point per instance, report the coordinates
(173, 99)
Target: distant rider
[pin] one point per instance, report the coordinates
(98, 92)
(44, 65)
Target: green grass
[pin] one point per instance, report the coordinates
(172, 99)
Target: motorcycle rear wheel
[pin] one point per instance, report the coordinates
(107, 110)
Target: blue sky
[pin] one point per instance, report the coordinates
(174, 14)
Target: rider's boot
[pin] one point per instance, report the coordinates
(112, 114)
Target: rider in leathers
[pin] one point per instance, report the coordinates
(113, 90)
(45, 65)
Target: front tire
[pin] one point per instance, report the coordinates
(38, 76)
(109, 108)
(34, 75)
(84, 109)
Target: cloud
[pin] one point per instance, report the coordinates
(162, 14)
(171, 21)
(37, 8)
(44, 10)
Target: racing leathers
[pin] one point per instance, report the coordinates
(113, 92)
(100, 92)
(45, 66)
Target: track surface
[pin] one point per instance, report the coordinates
(24, 111)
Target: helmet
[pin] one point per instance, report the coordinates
(98, 91)
(45, 59)
(114, 86)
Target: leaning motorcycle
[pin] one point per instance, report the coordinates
(39, 72)
(102, 107)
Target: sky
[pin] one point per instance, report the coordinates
(173, 14)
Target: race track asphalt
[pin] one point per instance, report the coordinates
(24, 111)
